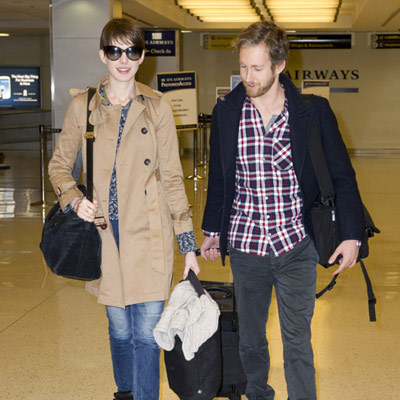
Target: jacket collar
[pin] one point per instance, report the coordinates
(141, 90)
(100, 113)
(236, 97)
(297, 106)
(300, 117)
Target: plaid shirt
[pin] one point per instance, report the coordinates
(266, 212)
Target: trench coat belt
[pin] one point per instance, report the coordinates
(155, 223)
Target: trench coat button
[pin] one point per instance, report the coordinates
(147, 161)
(144, 131)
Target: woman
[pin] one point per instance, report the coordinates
(139, 191)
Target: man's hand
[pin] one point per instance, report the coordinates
(191, 264)
(349, 252)
(209, 248)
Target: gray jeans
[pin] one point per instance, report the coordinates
(293, 275)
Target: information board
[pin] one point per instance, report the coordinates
(385, 41)
(20, 87)
(319, 41)
(218, 41)
(180, 92)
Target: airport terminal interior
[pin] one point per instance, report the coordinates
(53, 335)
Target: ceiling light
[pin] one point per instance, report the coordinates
(4, 34)
(224, 18)
(294, 18)
(208, 3)
(302, 3)
(223, 9)
(219, 11)
(303, 10)
(304, 13)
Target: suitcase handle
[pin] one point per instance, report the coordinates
(227, 292)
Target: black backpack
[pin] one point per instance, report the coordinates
(326, 236)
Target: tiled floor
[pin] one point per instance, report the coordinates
(53, 336)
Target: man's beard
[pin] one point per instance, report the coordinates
(259, 91)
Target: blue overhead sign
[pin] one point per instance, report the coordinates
(160, 43)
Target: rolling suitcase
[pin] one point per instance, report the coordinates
(233, 383)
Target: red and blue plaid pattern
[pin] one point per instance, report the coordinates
(266, 213)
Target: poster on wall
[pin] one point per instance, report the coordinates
(20, 87)
(180, 92)
(319, 88)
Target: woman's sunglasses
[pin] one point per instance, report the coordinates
(114, 53)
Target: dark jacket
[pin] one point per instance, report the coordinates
(223, 152)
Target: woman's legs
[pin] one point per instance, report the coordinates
(121, 347)
(135, 354)
(146, 353)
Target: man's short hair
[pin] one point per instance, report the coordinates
(271, 34)
(123, 30)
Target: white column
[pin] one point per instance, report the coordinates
(75, 36)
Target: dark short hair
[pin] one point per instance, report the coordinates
(122, 30)
(271, 34)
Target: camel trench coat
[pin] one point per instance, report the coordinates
(152, 204)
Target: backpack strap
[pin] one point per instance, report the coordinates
(319, 162)
(330, 286)
(371, 295)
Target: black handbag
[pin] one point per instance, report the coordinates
(200, 377)
(324, 221)
(70, 245)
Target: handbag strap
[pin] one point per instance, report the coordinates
(89, 136)
(192, 278)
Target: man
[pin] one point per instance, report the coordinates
(260, 192)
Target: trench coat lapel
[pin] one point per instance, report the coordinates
(137, 107)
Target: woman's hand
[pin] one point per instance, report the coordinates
(191, 264)
(84, 208)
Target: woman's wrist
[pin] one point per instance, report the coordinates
(74, 202)
(186, 242)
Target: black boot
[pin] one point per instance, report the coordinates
(123, 396)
